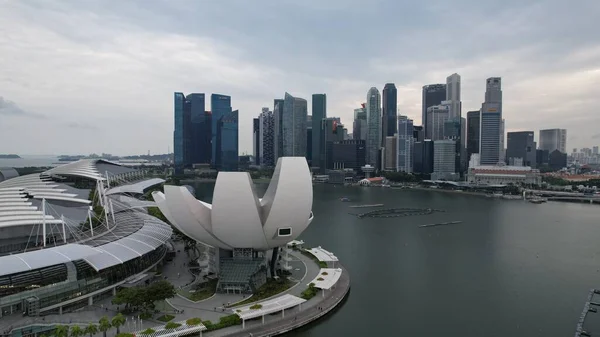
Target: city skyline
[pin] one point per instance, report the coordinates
(118, 67)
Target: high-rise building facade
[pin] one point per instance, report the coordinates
(359, 127)
(348, 154)
(433, 94)
(404, 161)
(256, 139)
(444, 160)
(389, 111)
(220, 106)
(267, 138)
(178, 134)
(199, 129)
(390, 153)
(473, 124)
(227, 146)
(553, 139)
(295, 114)
(418, 133)
(453, 95)
(423, 157)
(491, 123)
(319, 111)
(437, 116)
(521, 149)
(374, 127)
(278, 136)
(330, 132)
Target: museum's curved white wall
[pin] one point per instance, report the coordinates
(237, 218)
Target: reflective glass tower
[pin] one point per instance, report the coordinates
(220, 106)
(178, 140)
(294, 126)
(227, 147)
(374, 125)
(389, 111)
(319, 111)
(491, 123)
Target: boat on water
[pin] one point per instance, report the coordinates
(537, 200)
(441, 224)
(344, 199)
(365, 206)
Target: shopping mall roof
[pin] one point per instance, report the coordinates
(270, 306)
(135, 188)
(327, 278)
(322, 254)
(18, 263)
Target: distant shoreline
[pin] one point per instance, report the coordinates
(10, 156)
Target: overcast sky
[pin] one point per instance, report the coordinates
(98, 76)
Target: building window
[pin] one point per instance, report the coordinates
(286, 231)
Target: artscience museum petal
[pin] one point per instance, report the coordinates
(238, 218)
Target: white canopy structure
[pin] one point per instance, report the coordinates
(17, 263)
(83, 168)
(268, 307)
(136, 188)
(327, 278)
(323, 255)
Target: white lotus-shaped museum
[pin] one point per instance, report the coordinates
(237, 218)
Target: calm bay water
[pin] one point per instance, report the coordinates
(29, 161)
(511, 268)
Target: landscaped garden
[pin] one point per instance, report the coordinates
(269, 289)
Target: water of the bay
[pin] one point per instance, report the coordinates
(511, 268)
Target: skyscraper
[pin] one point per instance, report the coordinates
(491, 123)
(502, 143)
(278, 129)
(374, 127)
(349, 154)
(319, 111)
(256, 139)
(473, 124)
(390, 153)
(521, 148)
(220, 106)
(294, 126)
(444, 160)
(330, 132)
(404, 162)
(227, 146)
(553, 139)
(178, 134)
(433, 94)
(198, 142)
(389, 111)
(267, 138)
(359, 127)
(437, 116)
(453, 95)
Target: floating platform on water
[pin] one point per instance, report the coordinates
(396, 212)
(366, 206)
(441, 224)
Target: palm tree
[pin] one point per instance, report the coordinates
(76, 331)
(61, 331)
(104, 325)
(91, 329)
(118, 321)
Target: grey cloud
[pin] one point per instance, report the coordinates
(596, 136)
(81, 126)
(10, 108)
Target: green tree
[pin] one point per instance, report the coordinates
(62, 331)
(130, 297)
(76, 331)
(104, 325)
(158, 291)
(118, 321)
(91, 329)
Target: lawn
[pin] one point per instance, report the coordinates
(165, 318)
(207, 290)
(271, 288)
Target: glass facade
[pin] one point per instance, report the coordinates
(178, 140)
(374, 127)
(60, 283)
(199, 150)
(220, 107)
(433, 94)
(294, 126)
(226, 155)
(277, 129)
(319, 111)
(405, 145)
(473, 124)
(389, 111)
